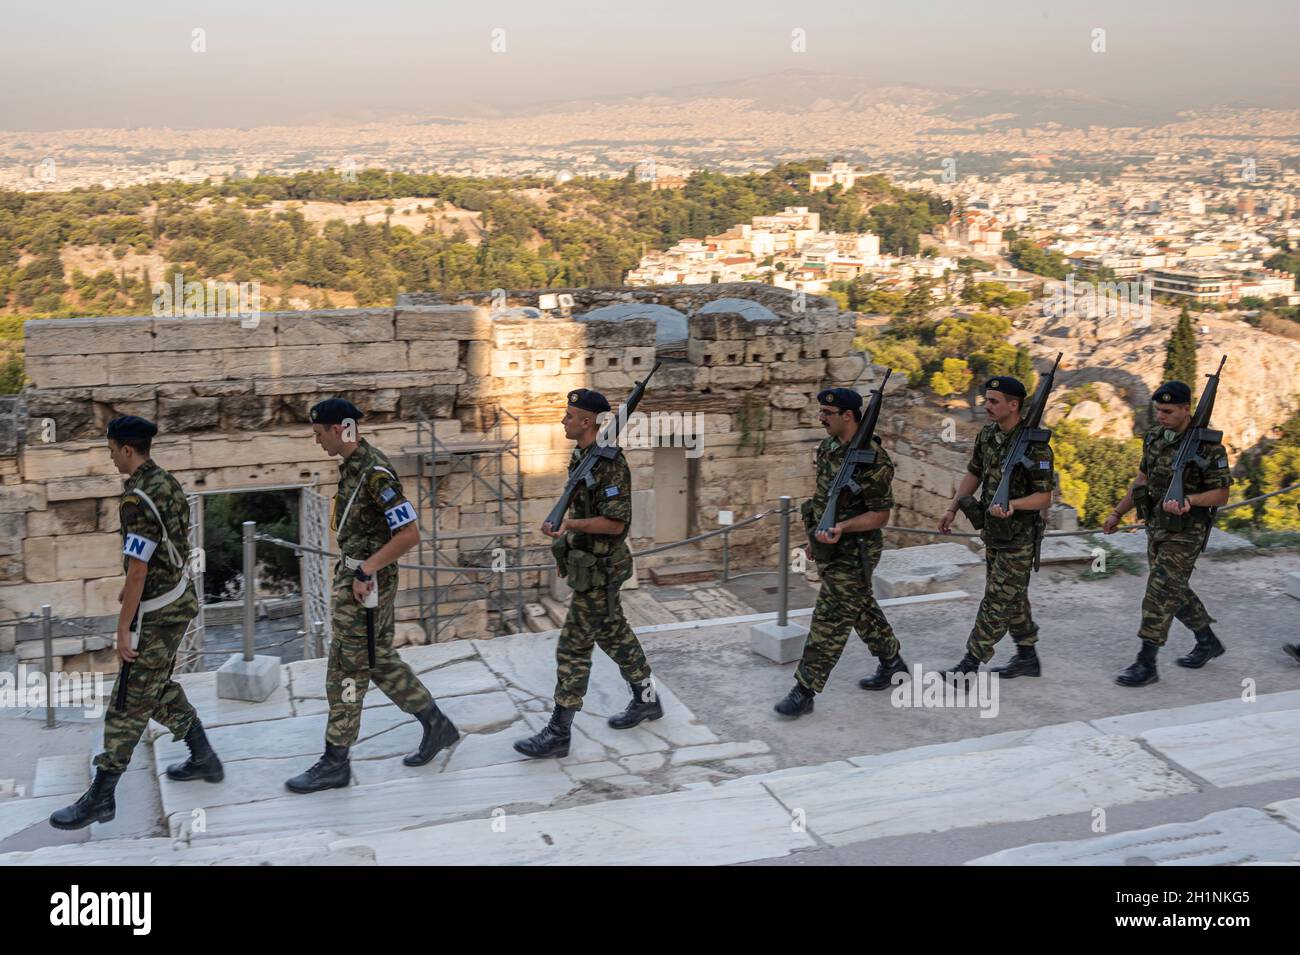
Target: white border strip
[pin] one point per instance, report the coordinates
(805, 612)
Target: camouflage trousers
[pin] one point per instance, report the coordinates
(1005, 606)
(585, 627)
(844, 603)
(348, 674)
(1172, 559)
(151, 693)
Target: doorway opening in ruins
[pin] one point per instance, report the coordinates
(671, 495)
(290, 586)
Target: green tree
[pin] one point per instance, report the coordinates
(1180, 352)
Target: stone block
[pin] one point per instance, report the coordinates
(250, 680)
(87, 336)
(743, 376)
(39, 559)
(89, 555)
(442, 323)
(206, 332)
(776, 643)
(66, 371)
(1293, 584)
(198, 365)
(21, 498)
(336, 326)
(432, 355)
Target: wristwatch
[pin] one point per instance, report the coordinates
(362, 576)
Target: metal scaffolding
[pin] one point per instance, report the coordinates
(462, 470)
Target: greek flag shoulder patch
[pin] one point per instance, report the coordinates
(611, 492)
(1044, 465)
(141, 548)
(400, 515)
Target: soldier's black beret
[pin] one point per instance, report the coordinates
(846, 399)
(1006, 385)
(129, 426)
(1173, 393)
(334, 411)
(588, 400)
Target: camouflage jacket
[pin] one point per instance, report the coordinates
(1159, 448)
(143, 538)
(610, 496)
(991, 448)
(876, 490)
(379, 508)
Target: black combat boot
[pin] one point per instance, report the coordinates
(884, 674)
(202, 764)
(645, 705)
(967, 665)
(96, 805)
(553, 740)
(1207, 648)
(1293, 649)
(1024, 663)
(439, 733)
(797, 702)
(1143, 669)
(331, 771)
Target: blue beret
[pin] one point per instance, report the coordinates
(1173, 393)
(588, 400)
(1006, 385)
(129, 426)
(334, 411)
(846, 399)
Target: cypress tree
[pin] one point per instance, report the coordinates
(1180, 353)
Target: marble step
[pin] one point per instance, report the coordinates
(61, 775)
(1232, 837)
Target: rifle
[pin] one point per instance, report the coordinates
(1189, 446)
(1031, 432)
(604, 448)
(124, 673)
(859, 451)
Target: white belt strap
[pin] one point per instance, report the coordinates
(347, 509)
(171, 596)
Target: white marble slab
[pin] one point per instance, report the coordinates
(201, 691)
(247, 780)
(1135, 724)
(292, 736)
(1288, 810)
(23, 812)
(1053, 733)
(61, 775)
(454, 679)
(400, 804)
(1235, 752)
(704, 827)
(489, 749)
(1231, 837)
(299, 849)
(711, 752)
(308, 676)
(979, 788)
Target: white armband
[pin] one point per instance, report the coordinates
(399, 515)
(141, 548)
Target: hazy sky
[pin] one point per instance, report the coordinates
(122, 63)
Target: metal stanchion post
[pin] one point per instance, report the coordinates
(783, 608)
(250, 588)
(726, 555)
(318, 636)
(47, 634)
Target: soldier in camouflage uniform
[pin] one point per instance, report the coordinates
(375, 525)
(1175, 534)
(1009, 537)
(846, 556)
(158, 602)
(590, 549)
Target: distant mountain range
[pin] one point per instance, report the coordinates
(805, 90)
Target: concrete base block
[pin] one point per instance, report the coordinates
(1293, 584)
(250, 680)
(779, 644)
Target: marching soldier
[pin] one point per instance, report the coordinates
(1009, 536)
(846, 556)
(590, 548)
(1174, 534)
(375, 525)
(158, 602)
